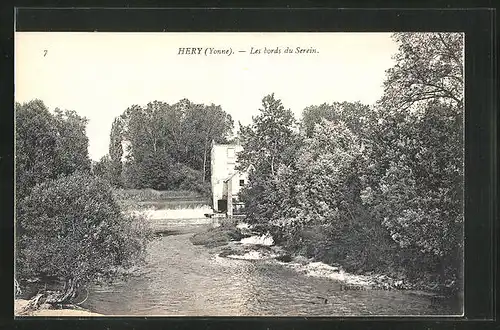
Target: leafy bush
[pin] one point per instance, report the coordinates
(71, 228)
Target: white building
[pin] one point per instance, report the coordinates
(226, 180)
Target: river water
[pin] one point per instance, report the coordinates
(181, 279)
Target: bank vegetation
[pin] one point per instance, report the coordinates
(69, 228)
(377, 189)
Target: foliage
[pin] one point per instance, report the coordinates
(168, 146)
(72, 141)
(327, 175)
(429, 67)
(375, 188)
(414, 177)
(325, 218)
(205, 124)
(271, 140)
(72, 228)
(269, 144)
(354, 115)
(115, 152)
(68, 226)
(102, 168)
(417, 190)
(47, 145)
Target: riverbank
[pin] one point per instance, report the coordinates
(180, 278)
(22, 308)
(238, 241)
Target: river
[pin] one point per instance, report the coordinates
(181, 279)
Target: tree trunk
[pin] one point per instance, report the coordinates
(70, 290)
(205, 147)
(204, 164)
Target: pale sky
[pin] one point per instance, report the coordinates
(100, 74)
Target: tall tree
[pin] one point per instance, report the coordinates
(48, 145)
(270, 144)
(414, 173)
(116, 151)
(429, 66)
(36, 145)
(165, 140)
(271, 139)
(102, 168)
(354, 114)
(73, 142)
(205, 124)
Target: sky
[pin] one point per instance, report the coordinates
(100, 74)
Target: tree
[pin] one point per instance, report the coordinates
(269, 144)
(36, 143)
(102, 168)
(418, 194)
(48, 145)
(144, 131)
(327, 202)
(429, 66)
(354, 115)
(68, 225)
(326, 168)
(205, 124)
(165, 138)
(73, 142)
(116, 151)
(413, 178)
(271, 139)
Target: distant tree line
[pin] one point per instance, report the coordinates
(377, 189)
(163, 146)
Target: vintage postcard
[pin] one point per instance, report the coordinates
(239, 174)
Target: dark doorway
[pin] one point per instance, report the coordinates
(222, 205)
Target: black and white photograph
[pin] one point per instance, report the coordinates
(239, 174)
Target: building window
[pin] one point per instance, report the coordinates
(242, 182)
(230, 153)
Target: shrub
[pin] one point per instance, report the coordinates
(71, 228)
